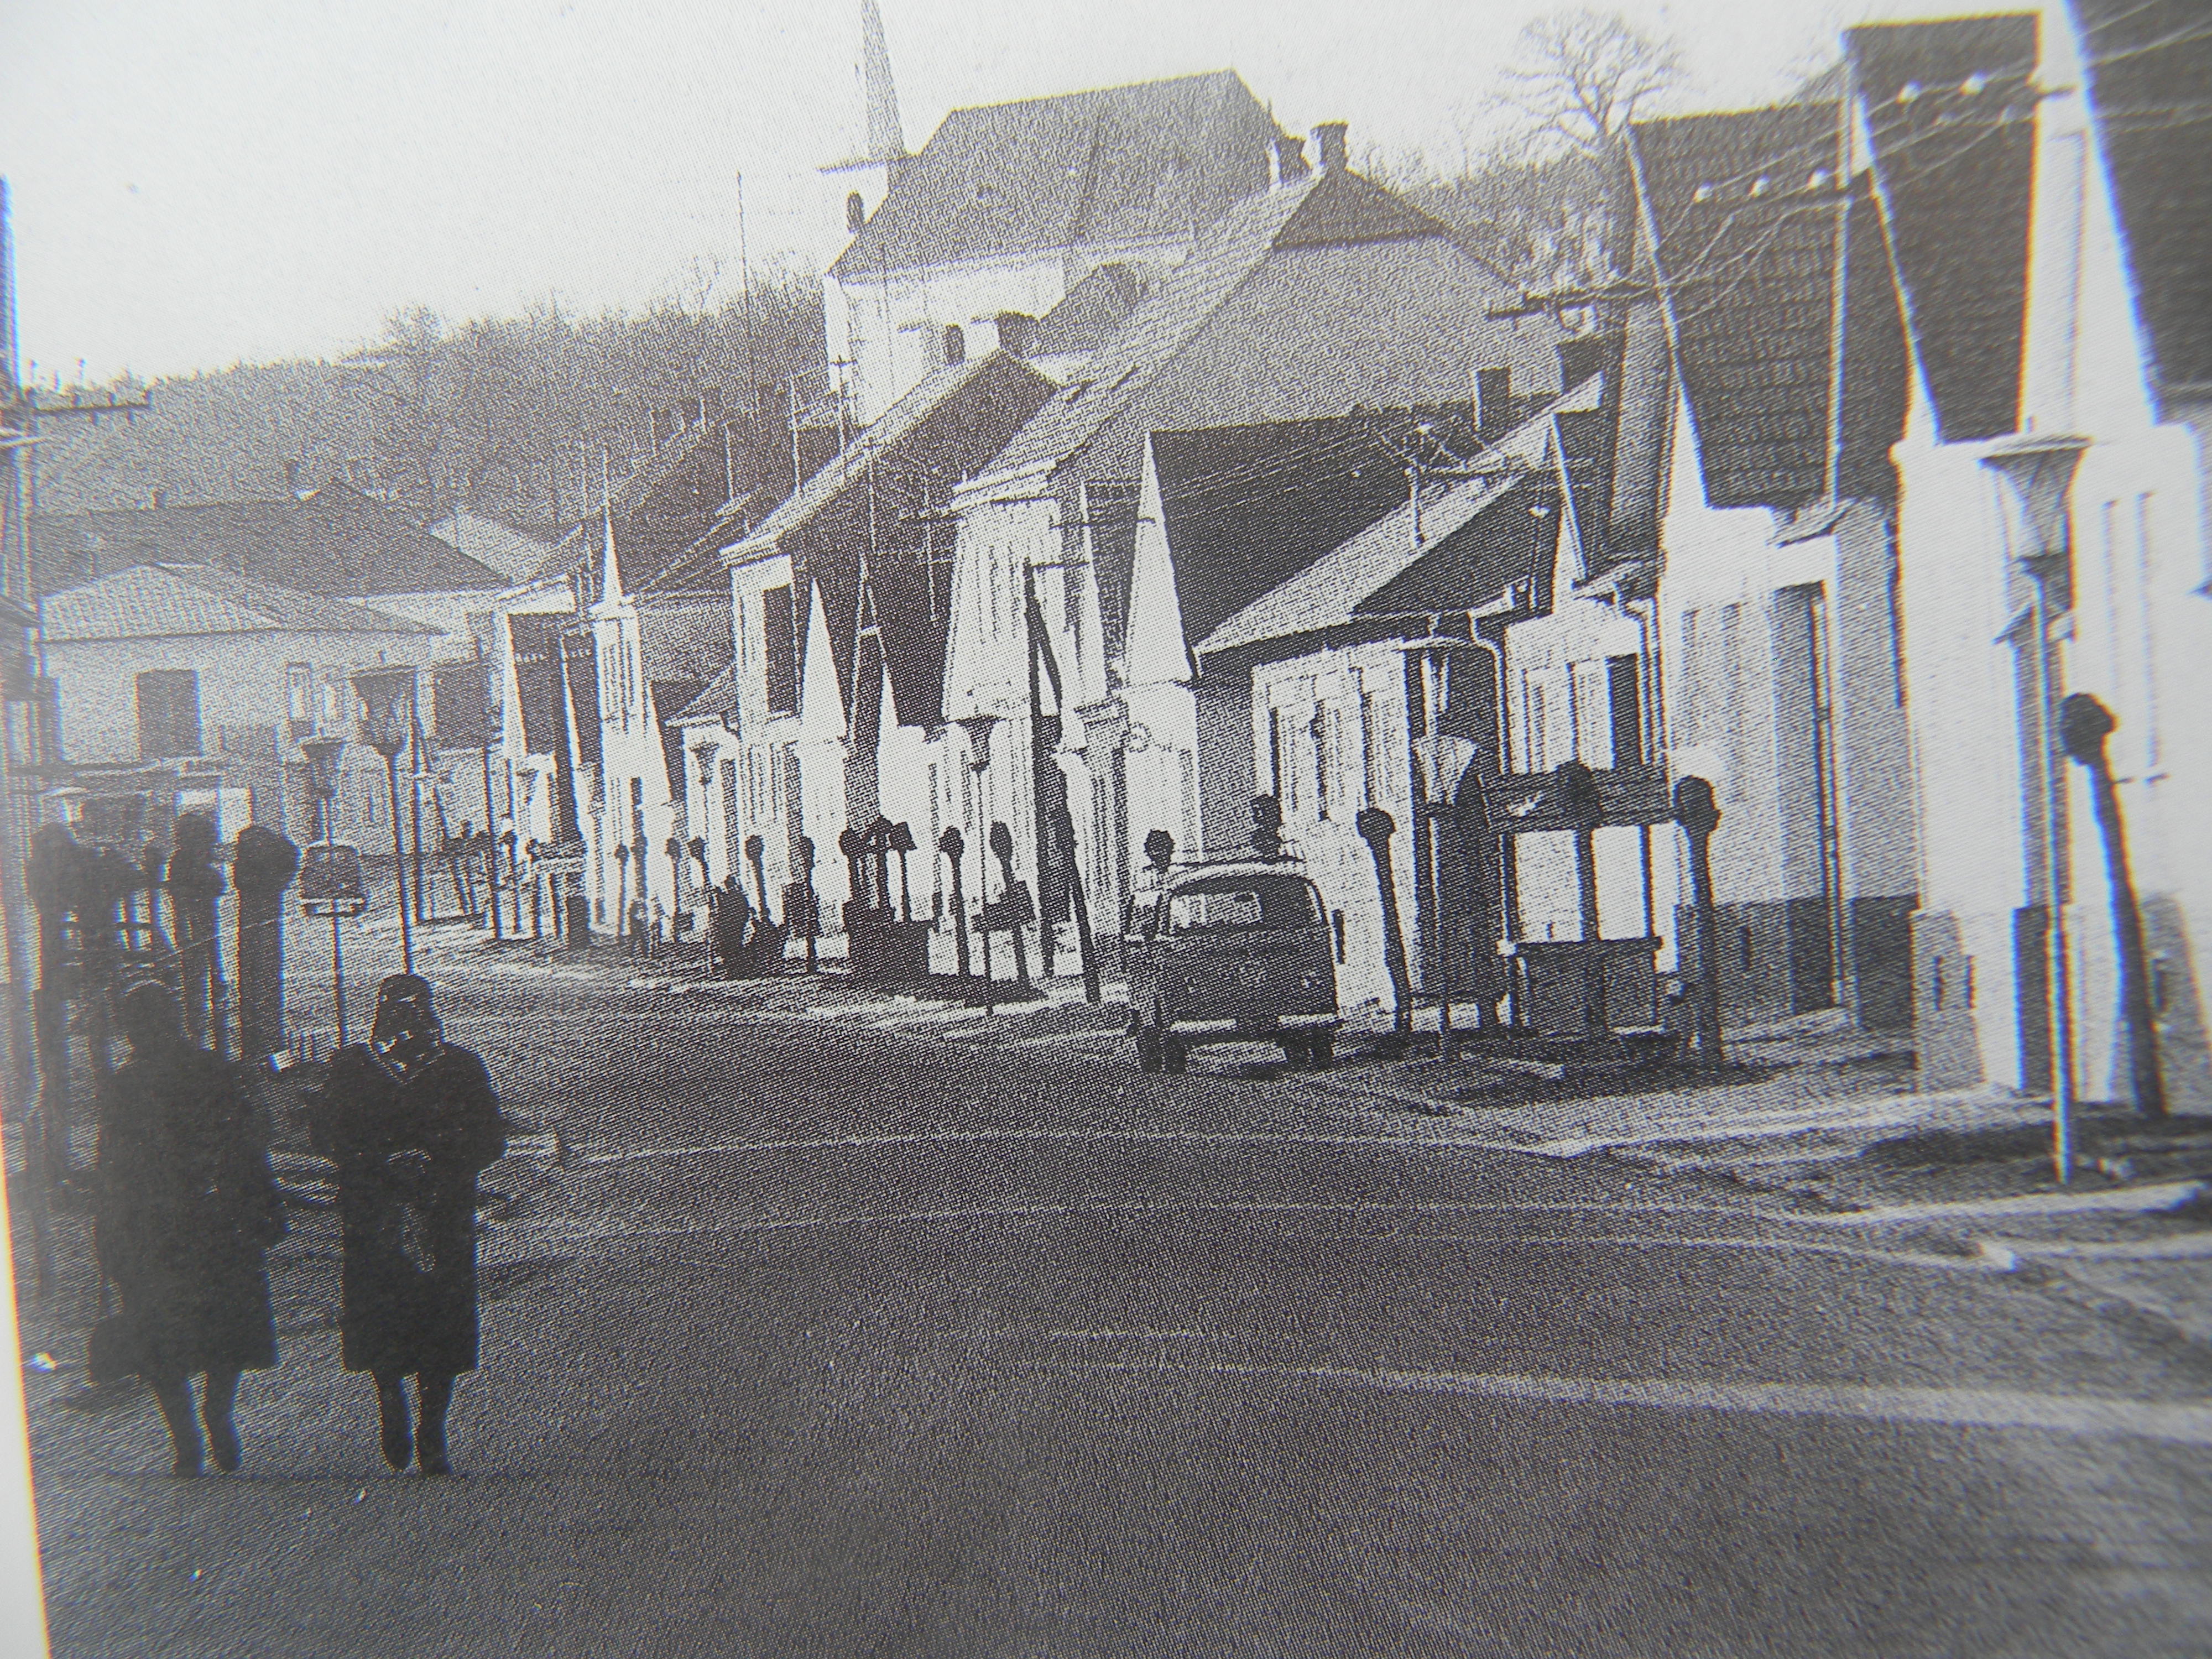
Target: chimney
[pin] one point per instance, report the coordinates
(1493, 402)
(1291, 163)
(1328, 139)
(1014, 332)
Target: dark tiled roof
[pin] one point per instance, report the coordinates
(1479, 537)
(1090, 313)
(893, 427)
(720, 697)
(156, 601)
(680, 496)
(336, 541)
(1188, 296)
(1748, 220)
(1354, 210)
(684, 641)
(1157, 161)
(1951, 107)
(1390, 311)
(2150, 90)
(1246, 508)
(879, 491)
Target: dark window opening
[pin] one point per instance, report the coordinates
(1624, 684)
(856, 213)
(779, 650)
(956, 344)
(169, 713)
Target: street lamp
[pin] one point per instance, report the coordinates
(979, 727)
(2037, 470)
(323, 755)
(1443, 758)
(387, 700)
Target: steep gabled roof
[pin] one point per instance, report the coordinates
(1186, 297)
(161, 601)
(1091, 311)
(1244, 509)
(2150, 91)
(1748, 222)
(718, 698)
(490, 543)
(335, 541)
(885, 433)
(1458, 564)
(1951, 109)
(870, 513)
(1157, 161)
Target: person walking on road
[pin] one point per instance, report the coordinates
(732, 918)
(410, 1119)
(187, 1209)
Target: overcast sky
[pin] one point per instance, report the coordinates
(200, 182)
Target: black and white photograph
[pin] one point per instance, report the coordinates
(1264, 829)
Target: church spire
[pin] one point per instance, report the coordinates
(886, 141)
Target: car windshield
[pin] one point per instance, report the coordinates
(1232, 905)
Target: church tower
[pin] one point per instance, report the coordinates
(854, 186)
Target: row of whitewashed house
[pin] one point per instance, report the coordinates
(1198, 474)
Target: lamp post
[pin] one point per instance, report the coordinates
(1443, 759)
(2037, 471)
(323, 755)
(979, 727)
(387, 699)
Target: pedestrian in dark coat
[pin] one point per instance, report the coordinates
(410, 1119)
(732, 919)
(187, 1210)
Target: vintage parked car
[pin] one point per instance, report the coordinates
(1231, 953)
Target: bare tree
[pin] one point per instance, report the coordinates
(1578, 78)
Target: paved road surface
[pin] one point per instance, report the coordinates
(829, 1339)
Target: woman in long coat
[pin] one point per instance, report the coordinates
(187, 1210)
(410, 1119)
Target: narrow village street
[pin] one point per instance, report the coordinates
(820, 1325)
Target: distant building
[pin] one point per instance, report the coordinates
(168, 661)
(334, 541)
(1010, 207)
(593, 674)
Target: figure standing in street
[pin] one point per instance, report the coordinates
(187, 1210)
(732, 919)
(410, 1119)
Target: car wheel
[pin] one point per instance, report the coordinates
(1148, 1051)
(1175, 1053)
(1322, 1047)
